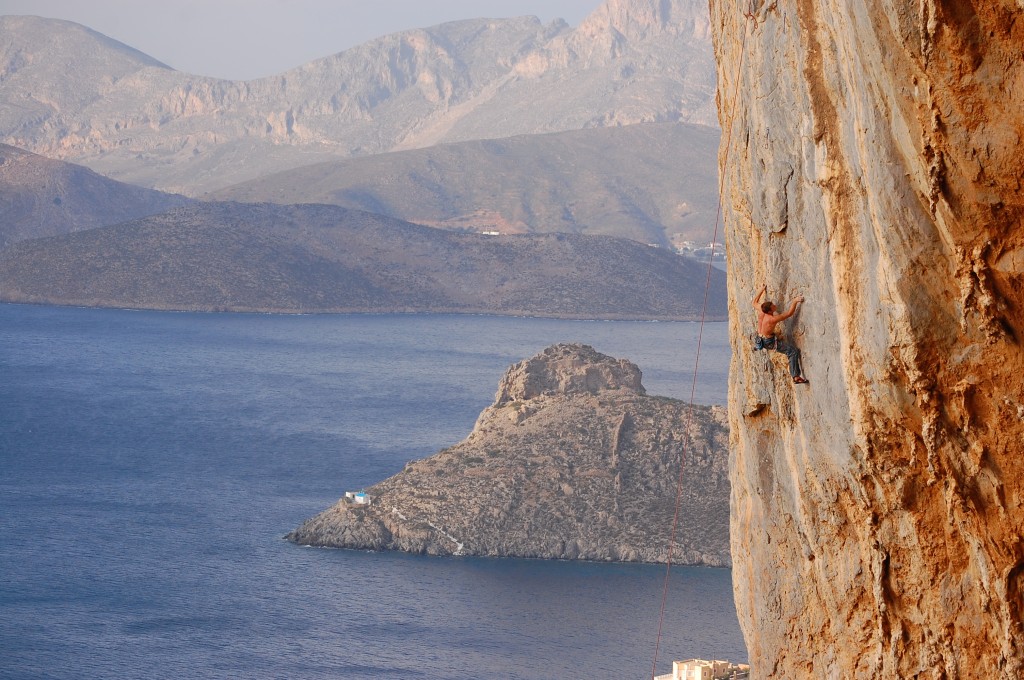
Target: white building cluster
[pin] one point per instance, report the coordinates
(702, 251)
(702, 669)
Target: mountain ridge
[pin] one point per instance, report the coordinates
(149, 125)
(320, 258)
(43, 197)
(653, 183)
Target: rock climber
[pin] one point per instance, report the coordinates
(767, 320)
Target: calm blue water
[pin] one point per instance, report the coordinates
(151, 462)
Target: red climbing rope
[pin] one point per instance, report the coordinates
(696, 362)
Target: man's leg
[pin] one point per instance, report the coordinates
(792, 353)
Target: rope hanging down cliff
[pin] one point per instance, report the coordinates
(755, 18)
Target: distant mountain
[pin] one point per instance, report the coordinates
(43, 197)
(317, 258)
(650, 183)
(70, 93)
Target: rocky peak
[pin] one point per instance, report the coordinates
(567, 369)
(77, 51)
(569, 476)
(74, 95)
(42, 197)
(640, 19)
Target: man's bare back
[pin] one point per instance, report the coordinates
(768, 319)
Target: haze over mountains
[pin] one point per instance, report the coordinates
(653, 183)
(73, 94)
(43, 197)
(501, 125)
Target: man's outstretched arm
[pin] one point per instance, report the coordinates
(756, 302)
(792, 309)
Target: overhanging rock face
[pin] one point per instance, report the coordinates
(874, 165)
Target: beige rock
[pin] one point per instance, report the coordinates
(567, 370)
(572, 461)
(873, 164)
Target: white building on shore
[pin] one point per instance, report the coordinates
(357, 497)
(702, 669)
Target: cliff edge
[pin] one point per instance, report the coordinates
(572, 461)
(874, 166)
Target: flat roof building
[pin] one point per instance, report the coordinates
(703, 669)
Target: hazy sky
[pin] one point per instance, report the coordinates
(242, 39)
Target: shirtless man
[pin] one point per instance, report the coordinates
(767, 320)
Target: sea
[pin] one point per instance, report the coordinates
(151, 462)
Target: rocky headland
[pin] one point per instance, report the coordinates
(572, 461)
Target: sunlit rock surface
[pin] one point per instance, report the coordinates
(572, 461)
(872, 161)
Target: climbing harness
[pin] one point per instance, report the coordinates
(763, 344)
(700, 335)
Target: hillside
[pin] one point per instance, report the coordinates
(43, 197)
(317, 258)
(652, 183)
(133, 119)
(572, 461)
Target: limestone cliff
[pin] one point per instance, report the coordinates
(875, 167)
(572, 461)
